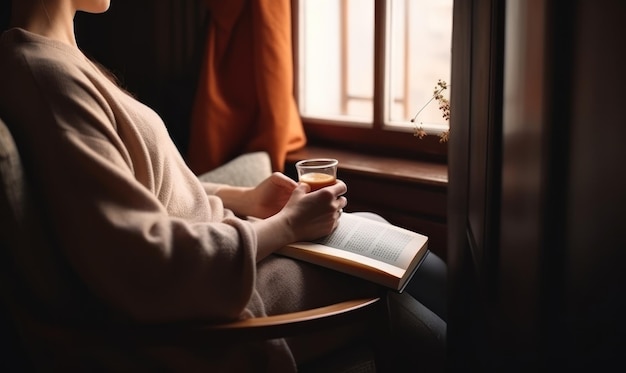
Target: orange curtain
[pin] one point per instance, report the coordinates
(244, 101)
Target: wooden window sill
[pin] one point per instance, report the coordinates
(388, 168)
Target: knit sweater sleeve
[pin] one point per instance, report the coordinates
(101, 198)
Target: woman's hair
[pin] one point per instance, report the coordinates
(5, 14)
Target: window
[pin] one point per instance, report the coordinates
(366, 67)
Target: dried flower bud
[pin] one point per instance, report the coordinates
(419, 133)
(444, 136)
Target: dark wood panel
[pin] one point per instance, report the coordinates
(474, 182)
(554, 239)
(397, 196)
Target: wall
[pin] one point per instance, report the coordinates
(154, 48)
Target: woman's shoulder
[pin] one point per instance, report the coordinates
(24, 52)
(43, 75)
(31, 63)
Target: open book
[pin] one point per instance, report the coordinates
(376, 251)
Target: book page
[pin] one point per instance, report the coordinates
(380, 241)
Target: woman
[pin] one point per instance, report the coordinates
(138, 238)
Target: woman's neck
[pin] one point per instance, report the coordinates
(49, 18)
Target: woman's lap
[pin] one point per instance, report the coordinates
(417, 315)
(288, 285)
(428, 284)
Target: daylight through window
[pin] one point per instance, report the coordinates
(337, 53)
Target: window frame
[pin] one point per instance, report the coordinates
(376, 139)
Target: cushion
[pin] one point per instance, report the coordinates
(245, 170)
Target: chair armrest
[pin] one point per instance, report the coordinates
(282, 325)
(366, 311)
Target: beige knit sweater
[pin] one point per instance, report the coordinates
(136, 237)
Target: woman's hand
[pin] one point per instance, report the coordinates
(271, 195)
(262, 201)
(312, 215)
(306, 216)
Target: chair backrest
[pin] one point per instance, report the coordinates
(12, 198)
(13, 217)
(12, 183)
(20, 223)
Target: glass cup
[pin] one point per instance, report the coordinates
(317, 172)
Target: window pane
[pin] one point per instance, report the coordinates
(419, 53)
(336, 41)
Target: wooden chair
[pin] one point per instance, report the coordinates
(358, 317)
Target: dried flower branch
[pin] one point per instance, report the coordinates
(444, 106)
